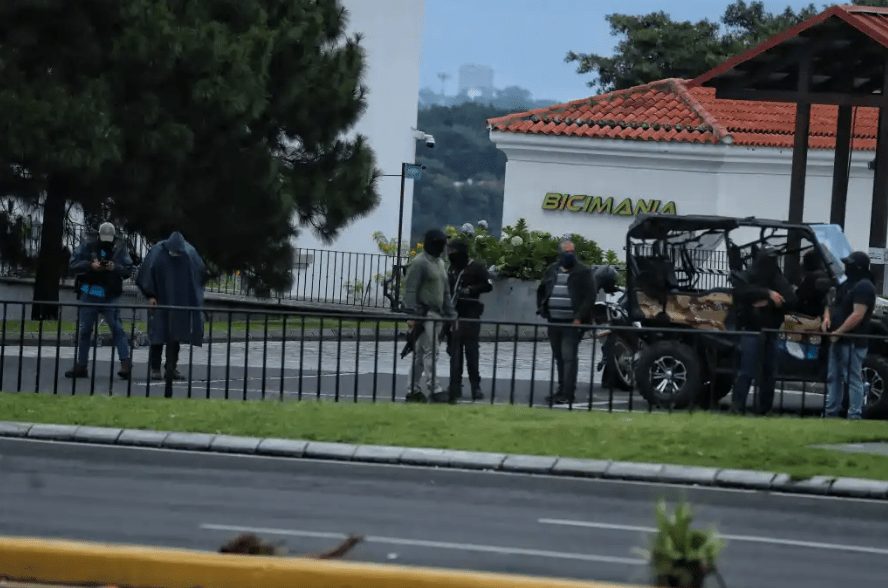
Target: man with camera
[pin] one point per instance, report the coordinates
(101, 264)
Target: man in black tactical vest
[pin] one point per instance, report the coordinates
(468, 280)
(566, 297)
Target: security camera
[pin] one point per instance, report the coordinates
(421, 136)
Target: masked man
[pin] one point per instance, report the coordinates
(566, 297)
(853, 307)
(761, 296)
(468, 280)
(426, 294)
(173, 274)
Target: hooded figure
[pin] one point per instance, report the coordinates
(756, 309)
(814, 287)
(761, 295)
(173, 274)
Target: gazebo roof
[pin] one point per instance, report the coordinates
(844, 49)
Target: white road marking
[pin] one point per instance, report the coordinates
(431, 544)
(743, 538)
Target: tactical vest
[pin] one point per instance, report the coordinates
(560, 306)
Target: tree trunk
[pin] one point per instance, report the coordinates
(46, 282)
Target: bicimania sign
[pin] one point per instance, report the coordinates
(600, 205)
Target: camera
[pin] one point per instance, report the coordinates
(422, 136)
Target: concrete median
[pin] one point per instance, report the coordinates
(90, 564)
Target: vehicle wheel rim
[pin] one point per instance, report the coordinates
(668, 375)
(624, 360)
(874, 383)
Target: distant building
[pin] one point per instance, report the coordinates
(476, 81)
(392, 41)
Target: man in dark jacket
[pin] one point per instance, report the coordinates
(468, 280)
(173, 274)
(813, 288)
(101, 264)
(850, 314)
(761, 295)
(566, 297)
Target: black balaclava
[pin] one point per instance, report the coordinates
(434, 243)
(458, 253)
(857, 266)
(765, 267)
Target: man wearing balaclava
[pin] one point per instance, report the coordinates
(566, 297)
(468, 280)
(426, 294)
(849, 314)
(761, 296)
(172, 274)
(101, 264)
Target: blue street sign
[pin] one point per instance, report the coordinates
(412, 172)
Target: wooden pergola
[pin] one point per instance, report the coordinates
(839, 57)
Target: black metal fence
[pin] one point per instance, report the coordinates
(360, 358)
(321, 276)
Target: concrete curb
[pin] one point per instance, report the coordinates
(446, 458)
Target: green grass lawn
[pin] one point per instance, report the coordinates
(257, 324)
(773, 444)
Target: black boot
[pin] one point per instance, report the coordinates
(477, 394)
(79, 371)
(443, 398)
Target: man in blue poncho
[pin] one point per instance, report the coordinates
(172, 274)
(101, 264)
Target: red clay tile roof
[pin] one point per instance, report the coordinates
(670, 111)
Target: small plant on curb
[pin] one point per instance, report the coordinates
(679, 555)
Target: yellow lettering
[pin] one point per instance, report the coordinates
(624, 208)
(573, 207)
(668, 209)
(599, 205)
(552, 201)
(643, 206)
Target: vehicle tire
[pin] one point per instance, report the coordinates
(712, 392)
(618, 369)
(668, 374)
(875, 378)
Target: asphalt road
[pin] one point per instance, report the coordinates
(583, 529)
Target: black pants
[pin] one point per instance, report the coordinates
(465, 342)
(565, 343)
(172, 355)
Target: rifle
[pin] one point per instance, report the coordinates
(412, 335)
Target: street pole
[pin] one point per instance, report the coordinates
(400, 224)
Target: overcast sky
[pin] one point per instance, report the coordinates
(525, 41)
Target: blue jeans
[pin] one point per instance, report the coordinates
(88, 317)
(845, 368)
(752, 357)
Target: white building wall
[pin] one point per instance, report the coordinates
(720, 179)
(392, 41)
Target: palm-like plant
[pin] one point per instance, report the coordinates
(679, 555)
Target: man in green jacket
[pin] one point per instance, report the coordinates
(427, 294)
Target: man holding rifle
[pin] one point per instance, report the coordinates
(427, 294)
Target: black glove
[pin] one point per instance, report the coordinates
(465, 292)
